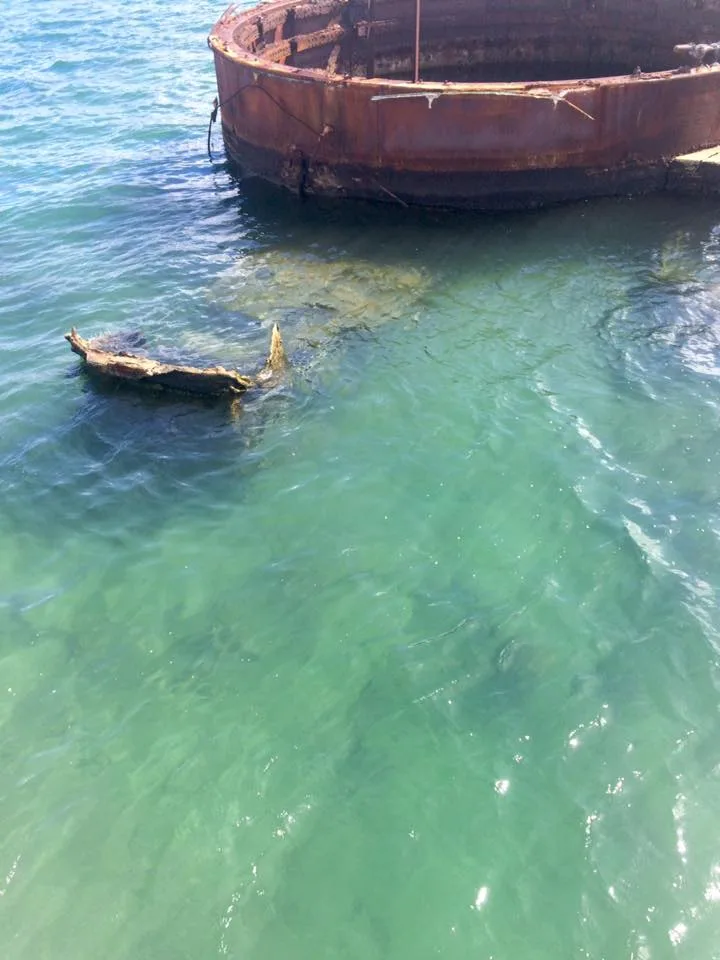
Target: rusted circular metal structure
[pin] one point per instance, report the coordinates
(517, 102)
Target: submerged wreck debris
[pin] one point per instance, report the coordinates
(316, 296)
(675, 266)
(316, 300)
(277, 362)
(214, 381)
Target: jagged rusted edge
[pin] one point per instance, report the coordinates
(201, 381)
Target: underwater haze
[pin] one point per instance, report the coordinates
(414, 657)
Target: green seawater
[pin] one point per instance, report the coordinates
(417, 656)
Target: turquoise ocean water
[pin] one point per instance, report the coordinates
(416, 656)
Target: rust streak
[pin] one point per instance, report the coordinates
(333, 59)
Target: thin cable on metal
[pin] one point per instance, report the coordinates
(256, 86)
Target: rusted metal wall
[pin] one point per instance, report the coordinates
(485, 145)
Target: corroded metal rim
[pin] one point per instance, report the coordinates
(223, 40)
(318, 96)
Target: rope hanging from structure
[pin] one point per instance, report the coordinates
(213, 118)
(256, 86)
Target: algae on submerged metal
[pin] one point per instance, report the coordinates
(319, 296)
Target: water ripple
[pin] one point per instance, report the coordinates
(436, 624)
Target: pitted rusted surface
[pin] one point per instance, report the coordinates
(313, 97)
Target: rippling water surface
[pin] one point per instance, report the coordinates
(416, 657)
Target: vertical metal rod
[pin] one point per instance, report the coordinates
(417, 41)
